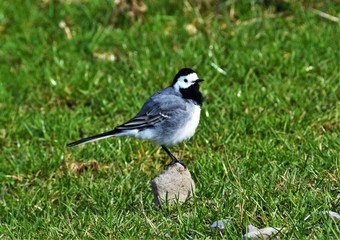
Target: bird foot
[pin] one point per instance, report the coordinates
(174, 161)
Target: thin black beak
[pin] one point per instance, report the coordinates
(199, 80)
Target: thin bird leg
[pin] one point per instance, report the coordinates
(173, 158)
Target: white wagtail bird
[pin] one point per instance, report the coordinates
(168, 117)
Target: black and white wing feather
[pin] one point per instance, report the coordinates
(142, 122)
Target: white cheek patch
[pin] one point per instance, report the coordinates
(181, 84)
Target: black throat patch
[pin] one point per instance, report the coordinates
(193, 93)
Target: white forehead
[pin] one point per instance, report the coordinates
(190, 77)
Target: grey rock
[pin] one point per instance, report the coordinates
(220, 225)
(263, 233)
(172, 185)
(251, 228)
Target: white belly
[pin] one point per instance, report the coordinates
(188, 129)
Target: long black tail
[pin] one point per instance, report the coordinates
(94, 138)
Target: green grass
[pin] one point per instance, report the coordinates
(266, 151)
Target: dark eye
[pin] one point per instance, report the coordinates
(185, 80)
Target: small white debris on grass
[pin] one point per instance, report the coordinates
(211, 47)
(220, 70)
(326, 16)
(332, 214)
(53, 82)
(206, 113)
(67, 30)
(239, 93)
(309, 68)
(105, 56)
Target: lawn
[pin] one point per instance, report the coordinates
(266, 151)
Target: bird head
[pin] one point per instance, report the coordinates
(186, 78)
